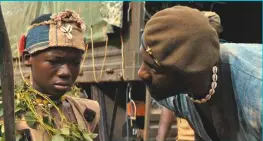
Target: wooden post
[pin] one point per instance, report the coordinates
(115, 108)
(147, 116)
(98, 95)
(7, 81)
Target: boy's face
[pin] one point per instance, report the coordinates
(54, 70)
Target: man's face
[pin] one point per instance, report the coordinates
(54, 70)
(161, 82)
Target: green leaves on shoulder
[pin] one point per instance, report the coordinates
(58, 137)
(89, 136)
(65, 131)
(67, 135)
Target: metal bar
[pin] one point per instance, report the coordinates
(7, 81)
(97, 94)
(127, 117)
(116, 100)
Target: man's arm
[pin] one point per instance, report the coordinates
(166, 120)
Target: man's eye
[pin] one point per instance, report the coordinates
(149, 65)
(154, 68)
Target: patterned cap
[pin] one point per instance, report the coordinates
(65, 29)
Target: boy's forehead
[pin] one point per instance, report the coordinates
(61, 52)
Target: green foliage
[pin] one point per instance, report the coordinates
(58, 137)
(65, 131)
(25, 109)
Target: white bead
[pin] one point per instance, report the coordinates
(213, 85)
(203, 100)
(214, 69)
(211, 91)
(198, 101)
(207, 97)
(214, 77)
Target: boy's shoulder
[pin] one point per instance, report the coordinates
(84, 102)
(85, 108)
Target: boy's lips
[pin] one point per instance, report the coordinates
(62, 86)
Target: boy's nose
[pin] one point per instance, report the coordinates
(64, 71)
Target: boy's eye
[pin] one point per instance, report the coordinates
(53, 61)
(58, 62)
(76, 63)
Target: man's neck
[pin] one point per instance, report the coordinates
(199, 84)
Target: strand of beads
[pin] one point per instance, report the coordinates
(211, 91)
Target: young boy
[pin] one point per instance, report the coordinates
(48, 107)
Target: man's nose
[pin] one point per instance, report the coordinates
(64, 71)
(143, 73)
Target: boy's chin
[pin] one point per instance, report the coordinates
(56, 96)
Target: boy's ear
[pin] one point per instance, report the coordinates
(27, 59)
